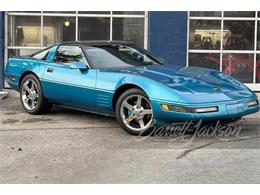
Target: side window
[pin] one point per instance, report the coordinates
(41, 55)
(68, 54)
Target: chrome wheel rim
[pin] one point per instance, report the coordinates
(30, 94)
(136, 112)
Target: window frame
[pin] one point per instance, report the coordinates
(40, 51)
(73, 45)
(254, 86)
(42, 14)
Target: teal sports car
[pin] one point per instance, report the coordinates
(120, 79)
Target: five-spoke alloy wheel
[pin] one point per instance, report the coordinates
(31, 96)
(134, 112)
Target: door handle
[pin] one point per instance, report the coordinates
(49, 69)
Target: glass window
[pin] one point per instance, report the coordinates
(258, 35)
(68, 54)
(58, 29)
(94, 28)
(205, 34)
(239, 66)
(102, 58)
(24, 12)
(21, 52)
(30, 31)
(24, 31)
(129, 29)
(238, 35)
(205, 60)
(129, 12)
(205, 14)
(239, 14)
(61, 12)
(258, 68)
(41, 55)
(94, 12)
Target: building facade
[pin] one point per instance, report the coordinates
(225, 41)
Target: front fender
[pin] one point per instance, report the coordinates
(155, 90)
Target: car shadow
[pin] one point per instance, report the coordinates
(241, 134)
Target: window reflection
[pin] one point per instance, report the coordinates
(240, 66)
(24, 11)
(258, 35)
(24, 31)
(21, 52)
(239, 14)
(94, 28)
(206, 60)
(238, 35)
(129, 29)
(58, 29)
(129, 12)
(205, 34)
(61, 12)
(94, 12)
(205, 14)
(258, 68)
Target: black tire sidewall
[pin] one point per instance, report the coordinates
(39, 105)
(133, 91)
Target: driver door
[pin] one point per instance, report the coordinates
(69, 86)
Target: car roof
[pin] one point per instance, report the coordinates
(97, 42)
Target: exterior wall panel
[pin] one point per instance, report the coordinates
(168, 36)
(1, 49)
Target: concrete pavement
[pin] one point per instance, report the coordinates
(68, 146)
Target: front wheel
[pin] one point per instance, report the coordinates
(31, 96)
(134, 112)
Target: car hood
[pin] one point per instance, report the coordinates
(194, 81)
(199, 83)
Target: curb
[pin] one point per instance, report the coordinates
(3, 94)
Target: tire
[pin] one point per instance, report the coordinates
(31, 96)
(134, 118)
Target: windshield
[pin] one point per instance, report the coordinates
(118, 56)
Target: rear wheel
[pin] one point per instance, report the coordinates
(134, 112)
(31, 96)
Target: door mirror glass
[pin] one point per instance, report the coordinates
(78, 65)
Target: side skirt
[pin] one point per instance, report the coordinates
(87, 111)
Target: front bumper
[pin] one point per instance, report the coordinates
(226, 110)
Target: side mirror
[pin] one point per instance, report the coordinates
(78, 65)
(160, 60)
